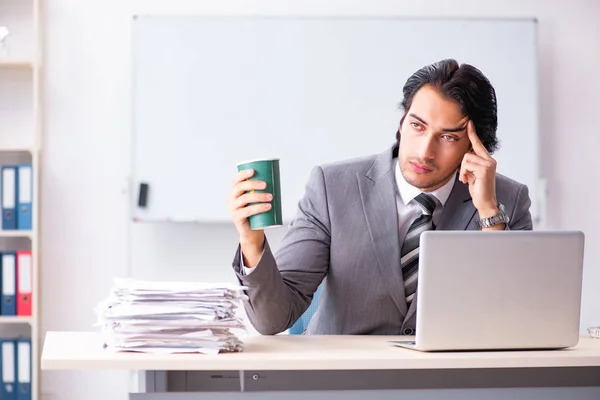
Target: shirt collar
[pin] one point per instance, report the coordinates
(409, 192)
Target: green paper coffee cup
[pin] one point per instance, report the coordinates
(267, 170)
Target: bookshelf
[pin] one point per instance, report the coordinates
(15, 233)
(21, 142)
(16, 64)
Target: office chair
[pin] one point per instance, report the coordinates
(302, 323)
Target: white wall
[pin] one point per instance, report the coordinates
(86, 236)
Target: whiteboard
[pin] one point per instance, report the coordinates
(209, 92)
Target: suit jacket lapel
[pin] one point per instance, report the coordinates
(457, 214)
(378, 194)
(459, 209)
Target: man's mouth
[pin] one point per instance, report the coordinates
(420, 168)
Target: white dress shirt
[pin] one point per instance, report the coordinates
(408, 210)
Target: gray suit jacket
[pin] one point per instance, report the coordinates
(346, 232)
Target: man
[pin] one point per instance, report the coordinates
(359, 222)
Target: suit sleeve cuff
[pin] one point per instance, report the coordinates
(247, 275)
(247, 270)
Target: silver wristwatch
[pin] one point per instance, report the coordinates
(500, 218)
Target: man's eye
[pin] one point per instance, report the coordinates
(449, 138)
(415, 125)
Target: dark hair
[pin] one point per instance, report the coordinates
(468, 87)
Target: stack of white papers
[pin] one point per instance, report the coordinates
(171, 317)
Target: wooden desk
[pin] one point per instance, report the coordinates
(332, 362)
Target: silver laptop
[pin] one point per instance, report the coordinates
(498, 290)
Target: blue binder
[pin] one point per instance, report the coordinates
(8, 196)
(8, 298)
(8, 369)
(24, 196)
(24, 369)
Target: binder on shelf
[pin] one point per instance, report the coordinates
(8, 366)
(24, 283)
(25, 196)
(8, 304)
(23, 369)
(9, 197)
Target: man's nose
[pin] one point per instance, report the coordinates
(427, 147)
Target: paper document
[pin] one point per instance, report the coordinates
(171, 317)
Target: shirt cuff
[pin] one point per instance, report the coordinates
(246, 270)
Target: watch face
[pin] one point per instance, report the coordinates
(499, 218)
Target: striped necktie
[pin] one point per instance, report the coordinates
(409, 256)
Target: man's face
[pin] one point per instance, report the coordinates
(433, 140)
